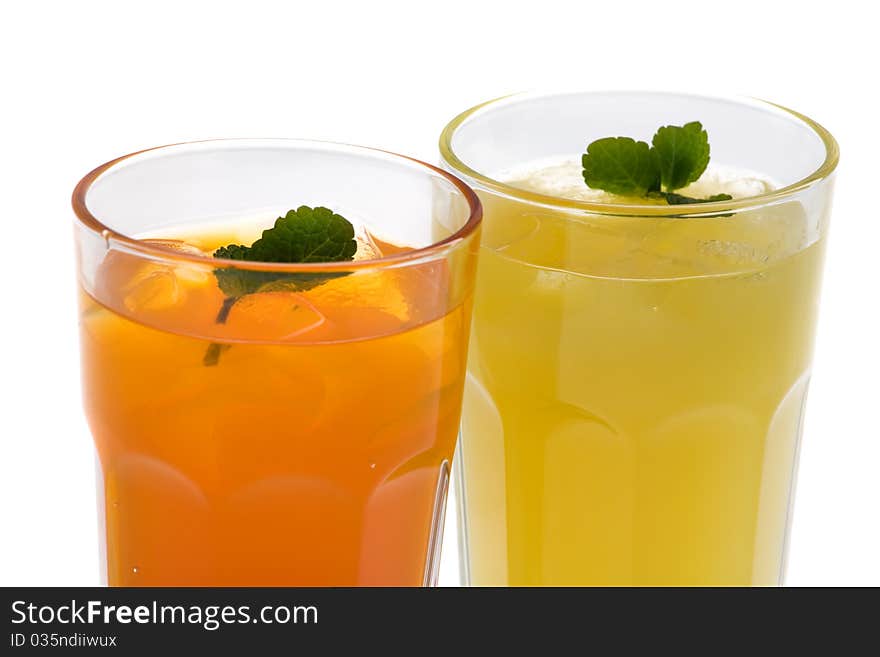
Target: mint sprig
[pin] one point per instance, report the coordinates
(682, 154)
(621, 165)
(301, 236)
(677, 199)
(677, 156)
(304, 235)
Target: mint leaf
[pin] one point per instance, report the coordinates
(677, 199)
(678, 156)
(621, 165)
(212, 353)
(302, 235)
(306, 235)
(682, 154)
(232, 252)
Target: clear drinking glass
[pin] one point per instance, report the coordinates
(637, 373)
(299, 435)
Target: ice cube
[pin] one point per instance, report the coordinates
(564, 179)
(279, 315)
(568, 242)
(157, 285)
(560, 179)
(717, 245)
(359, 295)
(138, 283)
(641, 247)
(725, 180)
(152, 289)
(185, 271)
(367, 249)
(178, 246)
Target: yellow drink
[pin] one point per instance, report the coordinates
(635, 387)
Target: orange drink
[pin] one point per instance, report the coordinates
(306, 438)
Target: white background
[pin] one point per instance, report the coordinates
(83, 82)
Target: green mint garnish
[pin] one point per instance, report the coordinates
(212, 354)
(677, 157)
(303, 235)
(682, 154)
(677, 199)
(621, 165)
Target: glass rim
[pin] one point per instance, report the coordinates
(714, 208)
(155, 251)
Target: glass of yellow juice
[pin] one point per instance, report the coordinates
(637, 370)
(298, 432)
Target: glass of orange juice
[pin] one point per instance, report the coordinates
(638, 370)
(300, 434)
